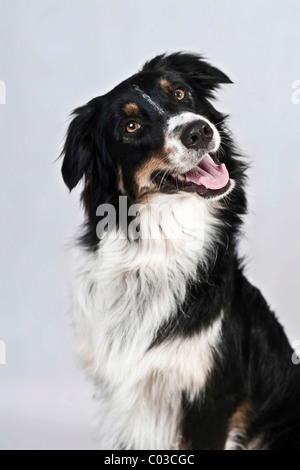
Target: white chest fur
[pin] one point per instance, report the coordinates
(123, 293)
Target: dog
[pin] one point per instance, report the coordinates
(185, 353)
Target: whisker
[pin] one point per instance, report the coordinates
(164, 175)
(159, 163)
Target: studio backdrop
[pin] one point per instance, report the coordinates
(56, 55)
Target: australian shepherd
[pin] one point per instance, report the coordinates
(184, 351)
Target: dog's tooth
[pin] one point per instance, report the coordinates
(181, 177)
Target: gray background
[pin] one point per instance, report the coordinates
(57, 54)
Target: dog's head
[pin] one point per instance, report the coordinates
(155, 132)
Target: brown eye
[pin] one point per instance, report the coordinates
(133, 126)
(179, 94)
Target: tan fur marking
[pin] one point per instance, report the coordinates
(143, 174)
(131, 109)
(166, 85)
(121, 182)
(240, 417)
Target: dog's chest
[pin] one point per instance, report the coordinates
(142, 386)
(125, 293)
(127, 290)
(117, 317)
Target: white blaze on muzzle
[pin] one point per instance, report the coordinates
(180, 156)
(178, 122)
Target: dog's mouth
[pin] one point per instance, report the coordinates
(209, 179)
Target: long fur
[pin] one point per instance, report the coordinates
(184, 352)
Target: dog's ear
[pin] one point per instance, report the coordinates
(80, 149)
(192, 65)
(86, 156)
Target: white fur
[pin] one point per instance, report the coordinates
(123, 293)
(256, 443)
(182, 158)
(150, 100)
(236, 440)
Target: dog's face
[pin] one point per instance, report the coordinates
(155, 132)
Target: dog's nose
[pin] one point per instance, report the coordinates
(197, 135)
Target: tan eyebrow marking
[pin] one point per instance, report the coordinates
(166, 85)
(131, 109)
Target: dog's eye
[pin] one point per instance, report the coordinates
(133, 126)
(180, 94)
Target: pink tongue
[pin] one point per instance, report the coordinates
(209, 174)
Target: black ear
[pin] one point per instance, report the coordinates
(192, 65)
(81, 144)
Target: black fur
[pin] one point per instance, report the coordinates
(255, 361)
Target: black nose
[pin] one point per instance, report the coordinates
(197, 135)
